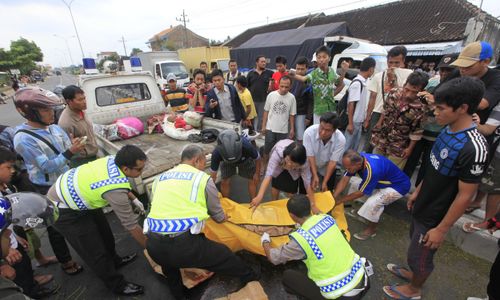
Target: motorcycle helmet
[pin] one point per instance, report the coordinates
(29, 100)
(229, 145)
(30, 210)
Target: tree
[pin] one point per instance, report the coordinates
(22, 55)
(135, 51)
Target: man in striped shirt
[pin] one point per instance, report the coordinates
(175, 95)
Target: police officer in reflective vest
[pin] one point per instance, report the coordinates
(80, 193)
(182, 199)
(334, 270)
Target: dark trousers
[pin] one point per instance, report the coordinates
(422, 149)
(24, 273)
(297, 283)
(420, 258)
(92, 243)
(368, 148)
(194, 251)
(57, 241)
(494, 284)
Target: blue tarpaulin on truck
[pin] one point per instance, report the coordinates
(291, 43)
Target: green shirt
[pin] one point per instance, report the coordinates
(323, 85)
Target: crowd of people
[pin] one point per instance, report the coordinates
(393, 121)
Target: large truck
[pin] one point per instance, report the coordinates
(161, 63)
(213, 56)
(112, 96)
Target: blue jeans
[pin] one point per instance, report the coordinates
(300, 127)
(352, 140)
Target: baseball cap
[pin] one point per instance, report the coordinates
(473, 53)
(447, 60)
(171, 76)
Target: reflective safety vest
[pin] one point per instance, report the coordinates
(82, 188)
(178, 200)
(331, 263)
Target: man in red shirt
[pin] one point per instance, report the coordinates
(280, 62)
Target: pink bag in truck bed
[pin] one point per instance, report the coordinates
(129, 127)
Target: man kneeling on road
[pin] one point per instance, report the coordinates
(182, 199)
(376, 172)
(233, 152)
(80, 194)
(334, 270)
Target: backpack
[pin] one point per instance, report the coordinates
(342, 111)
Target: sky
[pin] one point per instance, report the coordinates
(101, 24)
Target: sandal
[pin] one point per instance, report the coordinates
(392, 288)
(43, 279)
(50, 261)
(470, 227)
(363, 236)
(73, 266)
(471, 209)
(396, 271)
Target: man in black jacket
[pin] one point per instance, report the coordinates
(223, 102)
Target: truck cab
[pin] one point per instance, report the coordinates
(163, 68)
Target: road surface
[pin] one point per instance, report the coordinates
(457, 274)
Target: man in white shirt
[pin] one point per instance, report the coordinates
(324, 147)
(380, 85)
(356, 103)
(278, 121)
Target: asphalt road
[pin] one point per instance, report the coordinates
(456, 276)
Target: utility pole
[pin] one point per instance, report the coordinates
(183, 20)
(124, 47)
(68, 5)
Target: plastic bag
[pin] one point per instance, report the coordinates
(193, 118)
(129, 127)
(176, 133)
(109, 132)
(237, 235)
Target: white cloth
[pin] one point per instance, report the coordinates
(375, 85)
(323, 153)
(360, 96)
(374, 205)
(280, 108)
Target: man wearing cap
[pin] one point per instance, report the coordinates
(473, 61)
(175, 95)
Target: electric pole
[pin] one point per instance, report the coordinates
(183, 20)
(124, 47)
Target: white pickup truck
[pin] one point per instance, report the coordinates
(136, 94)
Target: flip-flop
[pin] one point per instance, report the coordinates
(363, 237)
(471, 209)
(396, 271)
(74, 266)
(392, 288)
(48, 263)
(470, 227)
(43, 279)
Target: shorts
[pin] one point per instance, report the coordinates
(374, 205)
(271, 139)
(420, 258)
(285, 183)
(490, 183)
(246, 169)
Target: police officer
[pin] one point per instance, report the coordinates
(183, 198)
(334, 270)
(80, 194)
